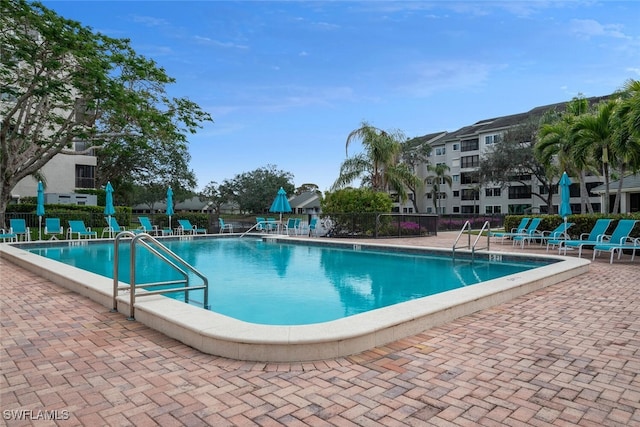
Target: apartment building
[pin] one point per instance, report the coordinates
(64, 174)
(462, 150)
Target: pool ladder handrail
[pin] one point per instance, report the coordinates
(164, 254)
(467, 226)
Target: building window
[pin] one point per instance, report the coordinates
(469, 178)
(519, 209)
(469, 145)
(455, 178)
(85, 176)
(456, 193)
(470, 194)
(456, 147)
(491, 139)
(440, 151)
(520, 192)
(470, 161)
(523, 177)
(493, 209)
(492, 192)
(456, 209)
(82, 146)
(470, 209)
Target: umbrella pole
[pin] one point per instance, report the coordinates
(39, 228)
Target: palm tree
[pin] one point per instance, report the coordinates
(626, 138)
(438, 177)
(379, 166)
(556, 141)
(594, 138)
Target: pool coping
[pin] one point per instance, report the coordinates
(224, 336)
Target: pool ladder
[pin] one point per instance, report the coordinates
(164, 254)
(467, 226)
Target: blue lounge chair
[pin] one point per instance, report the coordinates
(4, 235)
(225, 226)
(113, 228)
(629, 244)
(521, 228)
(18, 226)
(272, 225)
(53, 228)
(291, 226)
(187, 228)
(313, 227)
(618, 237)
(78, 228)
(147, 227)
(528, 233)
(261, 223)
(558, 233)
(594, 236)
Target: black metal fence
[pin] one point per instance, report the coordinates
(379, 225)
(372, 225)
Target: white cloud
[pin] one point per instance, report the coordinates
(217, 43)
(425, 78)
(587, 28)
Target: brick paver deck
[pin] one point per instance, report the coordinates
(567, 355)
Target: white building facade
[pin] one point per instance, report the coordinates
(63, 174)
(461, 151)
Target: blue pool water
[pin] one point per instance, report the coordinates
(293, 284)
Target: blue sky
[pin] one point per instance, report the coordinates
(287, 81)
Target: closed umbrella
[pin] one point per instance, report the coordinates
(108, 206)
(280, 203)
(170, 205)
(565, 204)
(40, 208)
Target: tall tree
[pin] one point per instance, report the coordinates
(626, 133)
(556, 144)
(378, 167)
(513, 158)
(64, 84)
(415, 152)
(595, 134)
(218, 195)
(254, 191)
(438, 178)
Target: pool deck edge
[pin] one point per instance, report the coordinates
(220, 335)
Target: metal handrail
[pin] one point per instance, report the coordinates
(486, 226)
(164, 254)
(467, 226)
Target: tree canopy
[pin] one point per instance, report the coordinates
(252, 192)
(379, 166)
(63, 84)
(513, 159)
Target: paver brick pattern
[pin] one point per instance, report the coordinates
(566, 355)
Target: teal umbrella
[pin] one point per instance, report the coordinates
(109, 209)
(280, 203)
(170, 204)
(565, 204)
(40, 208)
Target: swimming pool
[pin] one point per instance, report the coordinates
(280, 283)
(221, 335)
